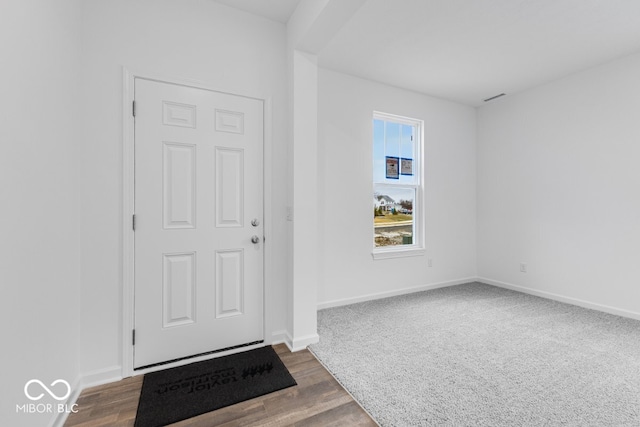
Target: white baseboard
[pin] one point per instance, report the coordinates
(102, 376)
(387, 294)
(561, 298)
(91, 379)
(278, 337)
(301, 343)
(61, 417)
(544, 294)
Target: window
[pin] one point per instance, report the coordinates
(397, 186)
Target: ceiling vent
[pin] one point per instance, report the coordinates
(494, 97)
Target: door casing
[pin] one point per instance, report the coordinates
(128, 237)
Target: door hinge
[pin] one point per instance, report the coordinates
(133, 108)
(133, 222)
(133, 337)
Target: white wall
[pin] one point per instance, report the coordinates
(303, 319)
(39, 243)
(558, 187)
(193, 39)
(348, 272)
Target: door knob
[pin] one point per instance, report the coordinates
(255, 222)
(255, 239)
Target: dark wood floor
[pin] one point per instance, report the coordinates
(317, 400)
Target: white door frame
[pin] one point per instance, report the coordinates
(128, 198)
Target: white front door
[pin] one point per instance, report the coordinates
(198, 221)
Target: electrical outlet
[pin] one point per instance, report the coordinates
(523, 267)
(430, 262)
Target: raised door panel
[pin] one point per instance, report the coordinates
(179, 182)
(229, 283)
(229, 187)
(176, 114)
(178, 289)
(229, 121)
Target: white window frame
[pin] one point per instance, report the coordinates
(417, 248)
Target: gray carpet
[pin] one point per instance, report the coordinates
(478, 355)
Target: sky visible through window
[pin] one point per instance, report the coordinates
(398, 144)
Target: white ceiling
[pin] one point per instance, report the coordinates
(469, 50)
(276, 10)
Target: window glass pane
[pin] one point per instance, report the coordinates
(393, 215)
(378, 151)
(392, 151)
(407, 155)
(392, 139)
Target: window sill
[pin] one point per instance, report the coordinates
(398, 253)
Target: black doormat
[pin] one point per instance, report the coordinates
(187, 391)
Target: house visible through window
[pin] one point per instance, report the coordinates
(397, 185)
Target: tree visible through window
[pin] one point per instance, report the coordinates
(396, 182)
